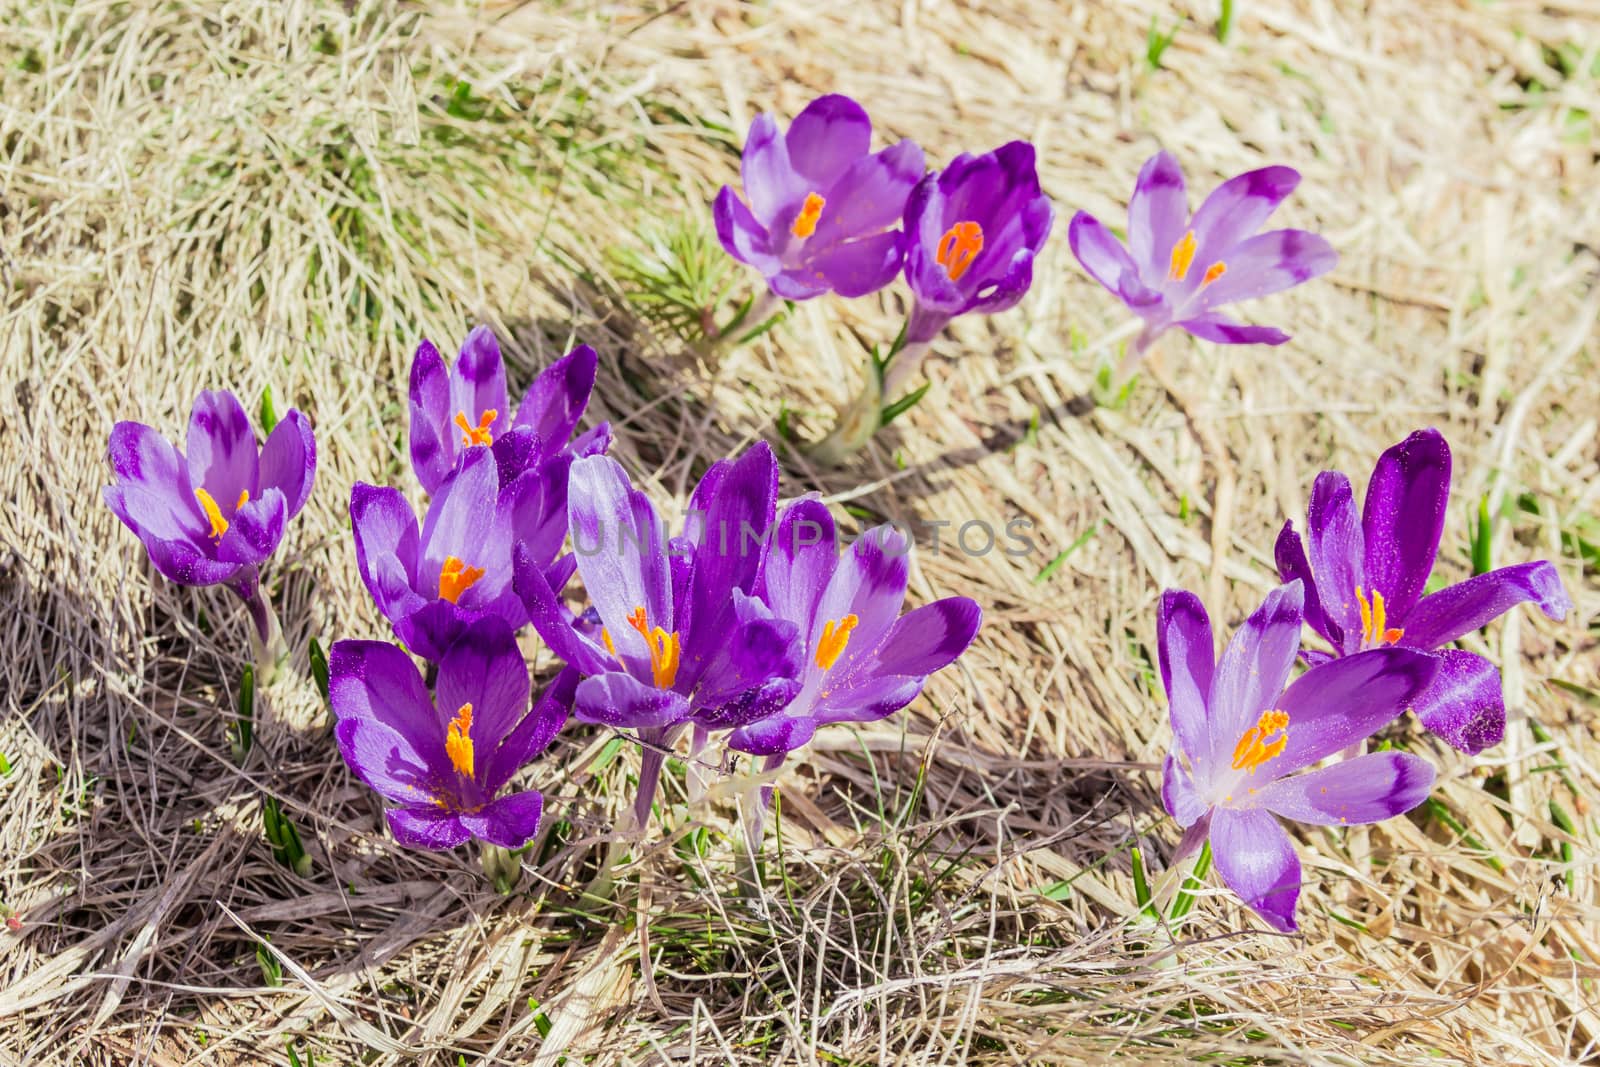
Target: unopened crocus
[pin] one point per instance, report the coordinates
(1365, 575)
(432, 582)
(1178, 270)
(213, 517)
(824, 209)
(466, 404)
(1243, 740)
(442, 761)
(681, 639)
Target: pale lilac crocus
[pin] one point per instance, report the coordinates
(1178, 270)
(441, 761)
(213, 517)
(1365, 576)
(1243, 740)
(680, 639)
(466, 404)
(823, 208)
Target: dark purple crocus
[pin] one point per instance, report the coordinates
(465, 405)
(823, 206)
(214, 517)
(972, 232)
(1240, 736)
(442, 761)
(1365, 576)
(680, 637)
(1177, 269)
(861, 659)
(431, 583)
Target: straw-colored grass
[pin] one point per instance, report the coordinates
(290, 194)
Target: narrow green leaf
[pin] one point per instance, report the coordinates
(1481, 535)
(244, 726)
(1061, 557)
(1184, 901)
(269, 411)
(319, 666)
(1141, 882)
(893, 411)
(1225, 21)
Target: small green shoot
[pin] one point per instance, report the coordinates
(269, 411)
(1482, 536)
(319, 666)
(1061, 557)
(1184, 901)
(284, 838)
(242, 736)
(1225, 21)
(271, 969)
(1156, 42)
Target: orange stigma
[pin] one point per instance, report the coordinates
(958, 247)
(219, 525)
(1213, 272)
(663, 646)
(1375, 629)
(805, 223)
(1182, 257)
(835, 635)
(1254, 749)
(456, 578)
(479, 434)
(458, 741)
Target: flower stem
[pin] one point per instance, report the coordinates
(903, 366)
(266, 637)
(502, 867)
(854, 425)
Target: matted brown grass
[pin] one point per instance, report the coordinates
(258, 192)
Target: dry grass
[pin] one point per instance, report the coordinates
(291, 194)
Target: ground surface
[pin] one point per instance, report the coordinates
(258, 192)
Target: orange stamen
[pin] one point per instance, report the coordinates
(1375, 630)
(1213, 272)
(456, 578)
(1182, 257)
(458, 741)
(208, 504)
(805, 224)
(958, 247)
(479, 434)
(835, 635)
(663, 646)
(1254, 749)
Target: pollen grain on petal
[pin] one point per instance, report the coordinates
(835, 636)
(455, 578)
(805, 224)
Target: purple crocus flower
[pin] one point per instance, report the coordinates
(861, 659)
(1240, 736)
(465, 405)
(680, 639)
(823, 206)
(972, 232)
(442, 760)
(1365, 576)
(213, 518)
(1178, 269)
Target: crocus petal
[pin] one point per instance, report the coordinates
(1253, 669)
(1269, 263)
(867, 697)
(925, 225)
(430, 828)
(153, 495)
(1178, 794)
(432, 628)
(465, 521)
(1403, 517)
(770, 181)
(1257, 861)
(1098, 249)
(289, 461)
(1441, 617)
(484, 668)
(375, 681)
(869, 583)
(826, 138)
(1337, 704)
(1157, 215)
(1290, 555)
(1367, 789)
(384, 760)
(1007, 290)
(478, 382)
(550, 619)
(736, 687)
(1186, 654)
(558, 396)
(799, 283)
(741, 233)
(534, 733)
(433, 436)
(774, 736)
(255, 529)
(510, 822)
(621, 552)
(223, 458)
(386, 548)
(621, 700)
(1465, 705)
(1219, 329)
(929, 638)
(801, 556)
(870, 195)
(857, 268)
(178, 560)
(1337, 552)
(1240, 206)
(591, 442)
